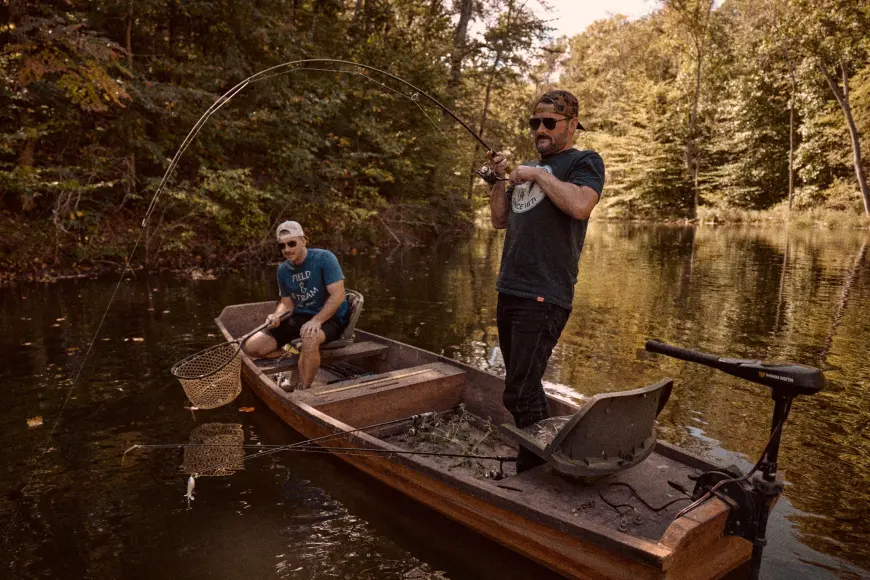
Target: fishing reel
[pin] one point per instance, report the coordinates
(488, 175)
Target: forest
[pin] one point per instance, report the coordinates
(699, 108)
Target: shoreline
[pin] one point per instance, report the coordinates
(30, 268)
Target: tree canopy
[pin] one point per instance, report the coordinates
(743, 105)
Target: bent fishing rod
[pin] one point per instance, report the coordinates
(310, 64)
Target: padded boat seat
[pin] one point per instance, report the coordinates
(355, 305)
(610, 433)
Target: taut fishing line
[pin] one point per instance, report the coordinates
(277, 70)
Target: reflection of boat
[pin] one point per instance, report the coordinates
(571, 527)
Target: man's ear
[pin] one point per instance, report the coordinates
(573, 124)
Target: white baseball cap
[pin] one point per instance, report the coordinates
(289, 228)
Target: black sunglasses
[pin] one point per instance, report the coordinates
(290, 244)
(548, 122)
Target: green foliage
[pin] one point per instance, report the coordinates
(686, 106)
(762, 92)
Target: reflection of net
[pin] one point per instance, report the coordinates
(211, 378)
(545, 431)
(222, 454)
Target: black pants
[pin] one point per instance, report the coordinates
(527, 332)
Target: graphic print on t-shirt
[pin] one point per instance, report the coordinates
(528, 195)
(304, 297)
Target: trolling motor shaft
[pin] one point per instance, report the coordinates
(750, 500)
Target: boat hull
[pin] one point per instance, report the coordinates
(692, 548)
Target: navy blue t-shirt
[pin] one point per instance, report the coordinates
(306, 283)
(542, 245)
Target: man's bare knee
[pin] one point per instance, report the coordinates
(312, 344)
(260, 345)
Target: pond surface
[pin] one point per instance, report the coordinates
(69, 508)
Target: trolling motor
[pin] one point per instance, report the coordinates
(750, 498)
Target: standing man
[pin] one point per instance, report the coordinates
(311, 288)
(546, 211)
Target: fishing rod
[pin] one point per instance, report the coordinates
(303, 64)
(283, 68)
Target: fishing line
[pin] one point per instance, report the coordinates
(276, 71)
(72, 387)
(307, 447)
(191, 135)
(282, 446)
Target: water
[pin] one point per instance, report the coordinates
(70, 509)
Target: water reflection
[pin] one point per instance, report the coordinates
(69, 509)
(753, 292)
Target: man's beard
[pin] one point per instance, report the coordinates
(548, 145)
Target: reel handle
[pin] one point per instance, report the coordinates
(487, 173)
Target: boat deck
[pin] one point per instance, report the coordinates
(614, 528)
(542, 489)
(634, 502)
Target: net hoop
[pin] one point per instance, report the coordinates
(212, 377)
(223, 354)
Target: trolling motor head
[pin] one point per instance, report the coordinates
(786, 379)
(750, 500)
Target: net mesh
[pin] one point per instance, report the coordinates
(211, 378)
(221, 454)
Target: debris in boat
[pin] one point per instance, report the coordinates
(35, 421)
(459, 432)
(246, 409)
(284, 383)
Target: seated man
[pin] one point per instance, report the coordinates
(311, 287)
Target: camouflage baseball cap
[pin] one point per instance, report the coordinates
(564, 102)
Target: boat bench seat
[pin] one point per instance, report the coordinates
(391, 395)
(354, 351)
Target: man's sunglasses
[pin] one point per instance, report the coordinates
(549, 123)
(290, 244)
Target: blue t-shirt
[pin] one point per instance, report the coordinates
(306, 283)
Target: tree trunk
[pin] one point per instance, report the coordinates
(791, 134)
(313, 32)
(487, 100)
(456, 57)
(28, 153)
(131, 158)
(483, 117)
(356, 12)
(842, 96)
(692, 148)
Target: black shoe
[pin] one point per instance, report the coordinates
(527, 460)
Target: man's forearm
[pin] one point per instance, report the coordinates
(284, 305)
(576, 201)
(498, 206)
